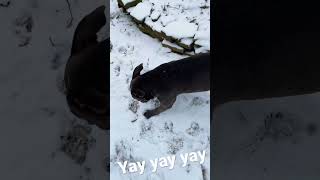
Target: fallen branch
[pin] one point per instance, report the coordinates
(71, 15)
(51, 42)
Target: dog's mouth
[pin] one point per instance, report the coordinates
(139, 95)
(141, 99)
(144, 100)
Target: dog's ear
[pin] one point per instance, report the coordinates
(86, 31)
(137, 70)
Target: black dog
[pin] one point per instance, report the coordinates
(168, 80)
(86, 72)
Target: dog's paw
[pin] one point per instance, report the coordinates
(148, 114)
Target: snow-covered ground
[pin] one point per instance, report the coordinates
(182, 129)
(36, 38)
(271, 139)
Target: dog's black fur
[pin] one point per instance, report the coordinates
(86, 72)
(168, 80)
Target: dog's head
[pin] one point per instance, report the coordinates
(139, 87)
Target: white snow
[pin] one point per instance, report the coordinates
(165, 20)
(200, 50)
(33, 110)
(155, 15)
(154, 25)
(204, 43)
(202, 37)
(187, 41)
(180, 29)
(135, 138)
(177, 18)
(141, 10)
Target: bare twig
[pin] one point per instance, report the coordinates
(203, 170)
(71, 15)
(51, 42)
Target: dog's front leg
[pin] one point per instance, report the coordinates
(165, 103)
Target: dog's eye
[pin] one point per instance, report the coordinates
(140, 93)
(77, 101)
